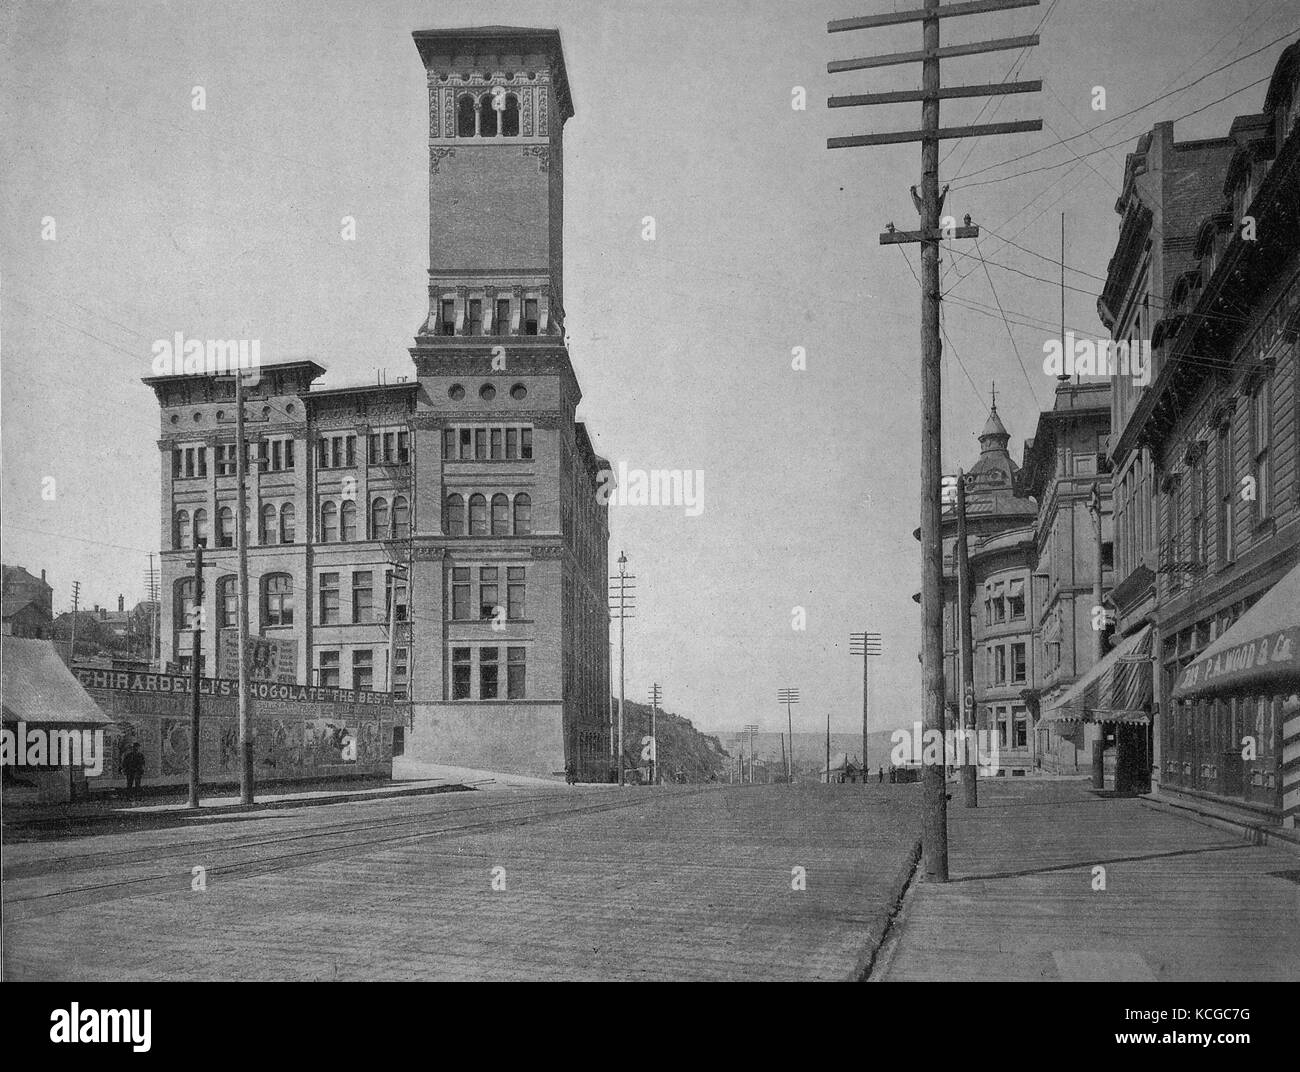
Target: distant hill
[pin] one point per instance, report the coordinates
(683, 750)
(810, 748)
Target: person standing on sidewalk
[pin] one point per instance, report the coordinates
(133, 767)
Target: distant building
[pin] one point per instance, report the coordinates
(842, 770)
(26, 604)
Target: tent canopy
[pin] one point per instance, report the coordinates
(1116, 689)
(38, 688)
(1260, 651)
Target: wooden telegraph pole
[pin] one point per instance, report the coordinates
(622, 599)
(241, 536)
(196, 657)
(866, 645)
(966, 647)
(935, 816)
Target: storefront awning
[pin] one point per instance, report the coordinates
(38, 688)
(1117, 689)
(1261, 651)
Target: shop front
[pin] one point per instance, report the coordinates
(1234, 729)
(1107, 713)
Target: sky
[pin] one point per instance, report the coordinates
(226, 223)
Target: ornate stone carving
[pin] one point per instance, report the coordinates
(543, 105)
(546, 550)
(543, 154)
(526, 110)
(436, 156)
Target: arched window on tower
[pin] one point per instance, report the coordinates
(329, 522)
(453, 518)
(379, 519)
(227, 602)
(348, 521)
(200, 528)
(487, 116)
(182, 538)
(465, 125)
(523, 515)
(225, 527)
(510, 117)
(268, 526)
(478, 515)
(500, 515)
(287, 532)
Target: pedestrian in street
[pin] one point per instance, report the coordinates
(133, 767)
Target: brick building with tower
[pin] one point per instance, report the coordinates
(439, 537)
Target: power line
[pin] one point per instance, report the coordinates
(1015, 349)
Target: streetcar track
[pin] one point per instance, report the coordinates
(53, 901)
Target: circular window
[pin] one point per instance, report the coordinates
(455, 392)
(519, 392)
(289, 408)
(266, 411)
(198, 417)
(176, 418)
(487, 392)
(221, 414)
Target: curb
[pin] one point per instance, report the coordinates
(897, 890)
(1255, 833)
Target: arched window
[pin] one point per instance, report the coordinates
(523, 515)
(268, 525)
(277, 599)
(379, 519)
(225, 527)
(478, 516)
(200, 528)
(401, 518)
(183, 605)
(182, 538)
(487, 117)
(465, 127)
(510, 117)
(287, 533)
(348, 521)
(453, 520)
(500, 515)
(227, 603)
(329, 522)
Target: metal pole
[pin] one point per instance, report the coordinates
(241, 535)
(934, 827)
(1098, 637)
(622, 679)
(392, 628)
(966, 652)
(195, 657)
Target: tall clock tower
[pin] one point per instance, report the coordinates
(509, 548)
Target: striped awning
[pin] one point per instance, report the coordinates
(1117, 689)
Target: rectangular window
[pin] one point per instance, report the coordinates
(460, 673)
(1227, 491)
(489, 595)
(460, 594)
(1000, 665)
(448, 444)
(350, 450)
(502, 323)
(288, 453)
(327, 673)
(329, 599)
(390, 439)
(277, 456)
(487, 673)
(403, 448)
(512, 443)
(466, 444)
(515, 604)
(480, 444)
(497, 452)
(530, 316)
(363, 670)
(515, 673)
(449, 318)
(363, 596)
(475, 316)
(372, 451)
(1018, 665)
(525, 443)
(1261, 436)
(176, 462)
(336, 452)
(202, 454)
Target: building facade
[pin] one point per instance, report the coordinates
(440, 537)
(1066, 472)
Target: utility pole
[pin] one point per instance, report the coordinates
(966, 652)
(788, 697)
(934, 827)
(196, 656)
(828, 748)
(241, 534)
(76, 603)
(866, 645)
(783, 759)
(750, 732)
(1098, 635)
(623, 595)
(656, 695)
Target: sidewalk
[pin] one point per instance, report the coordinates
(1182, 900)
